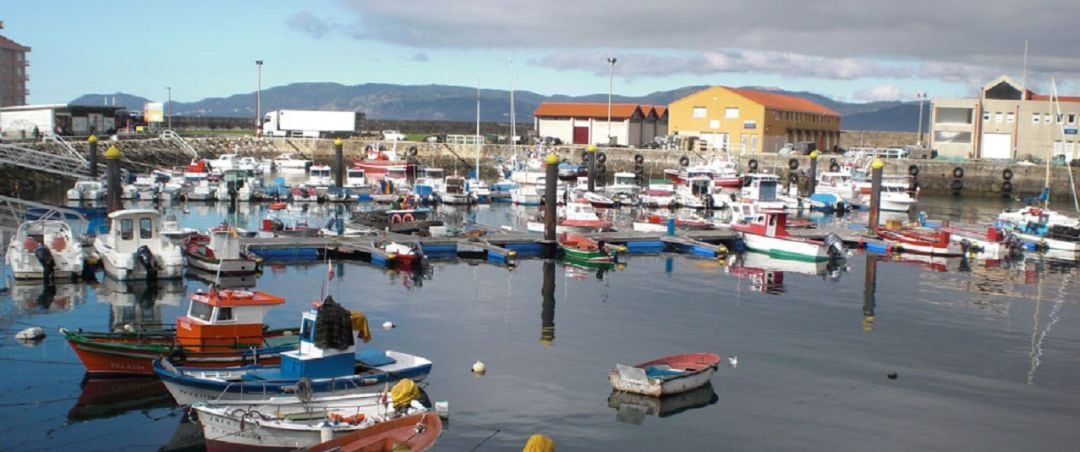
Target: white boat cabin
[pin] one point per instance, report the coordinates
(132, 228)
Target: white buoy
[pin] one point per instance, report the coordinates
(733, 360)
(33, 333)
(478, 367)
(442, 408)
(388, 325)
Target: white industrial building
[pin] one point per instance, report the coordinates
(63, 119)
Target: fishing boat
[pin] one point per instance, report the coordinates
(326, 363)
(598, 201)
(1043, 228)
(291, 422)
(377, 163)
(767, 233)
(219, 252)
(407, 218)
(234, 186)
(578, 216)
(632, 408)
(303, 194)
(291, 162)
(933, 242)
(525, 195)
(339, 194)
(673, 374)
(417, 433)
(197, 170)
(404, 255)
(896, 196)
(86, 190)
(624, 184)
(319, 177)
(580, 249)
(454, 192)
(45, 249)
(658, 196)
(202, 191)
(683, 221)
(992, 243)
(221, 328)
(134, 248)
(724, 172)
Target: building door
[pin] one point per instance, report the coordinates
(996, 146)
(581, 135)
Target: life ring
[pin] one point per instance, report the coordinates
(601, 157)
(585, 157)
(793, 178)
(913, 170)
(1006, 186)
(601, 168)
(1006, 174)
(958, 172)
(407, 218)
(177, 356)
(752, 164)
(412, 151)
(639, 170)
(834, 167)
(793, 163)
(832, 160)
(684, 161)
(957, 184)
(639, 159)
(395, 218)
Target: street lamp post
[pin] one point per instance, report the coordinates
(921, 96)
(258, 101)
(168, 110)
(611, 69)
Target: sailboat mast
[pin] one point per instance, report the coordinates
(513, 120)
(1049, 151)
(1059, 117)
(477, 129)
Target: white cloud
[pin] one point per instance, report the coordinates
(879, 93)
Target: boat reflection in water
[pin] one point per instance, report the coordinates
(108, 397)
(222, 281)
(42, 299)
(766, 274)
(138, 303)
(632, 408)
(188, 435)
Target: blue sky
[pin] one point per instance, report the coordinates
(847, 49)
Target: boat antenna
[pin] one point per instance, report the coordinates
(1061, 129)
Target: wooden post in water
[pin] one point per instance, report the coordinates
(875, 194)
(813, 173)
(551, 181)
(339, 175)
(591, 152)
(869, 292)
(112, 160)
(92, 156)
(547, 315)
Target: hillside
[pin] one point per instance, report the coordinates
(458, 103)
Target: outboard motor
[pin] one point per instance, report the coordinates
(48, 264)
(835, 245)
(146, 258)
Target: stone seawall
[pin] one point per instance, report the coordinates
(980, 178)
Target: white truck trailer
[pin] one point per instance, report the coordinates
(310, 123)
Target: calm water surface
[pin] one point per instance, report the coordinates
(985, 353)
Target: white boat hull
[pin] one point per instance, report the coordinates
(784, 248)
(1053, 244)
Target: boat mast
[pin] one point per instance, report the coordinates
(477, 174)
(513, 121)
(1049, 155)
(1057, 115)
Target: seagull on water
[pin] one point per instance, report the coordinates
(733, 361)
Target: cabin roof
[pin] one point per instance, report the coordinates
(133, 212)
(232, 298)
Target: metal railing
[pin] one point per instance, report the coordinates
(170, 136)
(66, 163)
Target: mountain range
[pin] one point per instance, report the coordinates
(458, 103)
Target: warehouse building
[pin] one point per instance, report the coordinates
(587, 123)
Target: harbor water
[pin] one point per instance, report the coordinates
(876, 353)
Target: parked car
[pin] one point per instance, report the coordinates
(393, 135)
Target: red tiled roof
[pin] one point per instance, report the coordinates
(583, 110)
(783, 101)
(6, 43)
(660, 110)
(1059, 98)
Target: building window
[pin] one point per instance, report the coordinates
(731, 112)
(942, 137)
(1046, 118)
(776, 115)
(998, 116)
(714, 124)
(1072, 118)
(1060, 118)
(1010, 117)
(700, 112)
(953, 115)
(1035, 118)
(986, 116)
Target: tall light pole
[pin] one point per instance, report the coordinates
(611, 69)
(258, 101)
(168, 110)
(921, 97)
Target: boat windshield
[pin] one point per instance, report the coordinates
(200, 310)
(320, 172)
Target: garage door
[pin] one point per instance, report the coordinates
(581, 135)
(996, 146)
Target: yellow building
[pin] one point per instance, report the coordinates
(750, 120)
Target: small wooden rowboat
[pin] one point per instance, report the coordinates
(665, 376)
(417, 432)
(581, 249)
